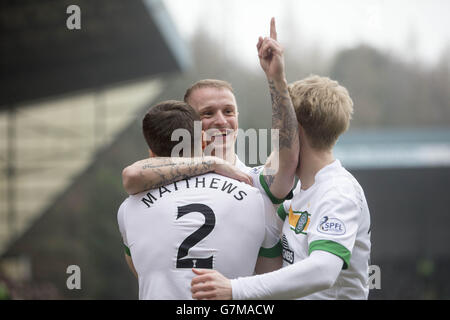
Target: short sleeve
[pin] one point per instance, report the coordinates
(271, 246)
(254, 173)
(122, 228)
(258, 182)
(334, 226)
(283, 209)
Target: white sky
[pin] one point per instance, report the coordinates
(412, 29)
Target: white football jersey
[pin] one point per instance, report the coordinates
(332, 215)
(209, 221)
(258, 182)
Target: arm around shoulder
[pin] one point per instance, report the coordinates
(131, 179)
(156, 172)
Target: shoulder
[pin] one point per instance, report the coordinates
(232, 186)
(124, 204)
(340, 184)
(340, 196)
(122, 211)
(256, 170)
(249, 170)
(346, 185)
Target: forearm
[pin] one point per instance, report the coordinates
(156, 172)
(280, 171)
(283, 118)
(316, 273)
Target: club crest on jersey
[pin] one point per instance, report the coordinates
(299, 220)
(331, 226)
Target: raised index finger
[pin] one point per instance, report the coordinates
(273, 30)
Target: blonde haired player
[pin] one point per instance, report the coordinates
(326, 231)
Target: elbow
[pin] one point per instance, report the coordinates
(293, 163)
(287, 170)
(289, 163)
(328, 276)
(326, 282)
(293, 155)
(129, 178)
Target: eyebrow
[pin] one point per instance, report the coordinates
(211, 107)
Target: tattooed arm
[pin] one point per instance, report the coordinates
(156, 172)
(279, 170)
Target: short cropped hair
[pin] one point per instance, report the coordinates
(323, 108)
(207, 83)
(162, 119)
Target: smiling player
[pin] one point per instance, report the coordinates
(326, 232)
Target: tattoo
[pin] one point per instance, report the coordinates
(269, 179)
(168, 172)
(283, 116)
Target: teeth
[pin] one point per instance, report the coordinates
(220, 133)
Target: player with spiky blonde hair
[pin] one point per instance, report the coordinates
(326, 232)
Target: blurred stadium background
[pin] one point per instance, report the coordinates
(71, 103)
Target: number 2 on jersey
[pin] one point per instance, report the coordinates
(196, 237)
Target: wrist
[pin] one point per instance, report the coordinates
(214, 162)
(234, 283)
(279, 81)
(229, 294)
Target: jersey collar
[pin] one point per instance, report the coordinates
(326, 171)
(321, 175)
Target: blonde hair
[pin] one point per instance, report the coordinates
(207, 83)
(323, 108)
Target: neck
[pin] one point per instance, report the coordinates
(230, 156)
(311, 162)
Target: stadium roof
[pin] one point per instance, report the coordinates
(118, 41)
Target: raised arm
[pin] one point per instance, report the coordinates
(279, 170)
(156, 172)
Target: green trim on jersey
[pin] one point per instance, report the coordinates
(334, 248)
(282, 213)
(127, 250)
(273, 252)
(272, 198)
